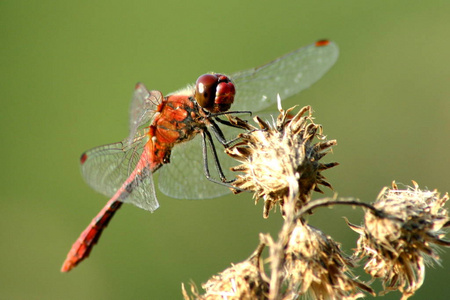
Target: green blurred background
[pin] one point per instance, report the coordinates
(67, 74)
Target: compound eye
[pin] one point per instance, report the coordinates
(205, 90)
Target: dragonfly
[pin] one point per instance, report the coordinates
(163, 133)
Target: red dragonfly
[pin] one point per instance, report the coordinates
(158, 125)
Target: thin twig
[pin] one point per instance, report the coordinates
(277, 251)
(277, 248)
(342, 201)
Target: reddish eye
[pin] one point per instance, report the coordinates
(205, 90)
(214, 92)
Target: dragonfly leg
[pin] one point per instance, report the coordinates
(219, 134)
(231, 112)
(228, 123)
(207, 136)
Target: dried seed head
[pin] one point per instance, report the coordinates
(400, 238)
(241, 281)
(315, 265)
(281, 162)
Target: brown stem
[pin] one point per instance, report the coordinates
(277, 250)
(332, 201)
(277, 256)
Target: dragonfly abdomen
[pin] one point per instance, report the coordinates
(89, 237)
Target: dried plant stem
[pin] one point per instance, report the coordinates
(342, 201)
(277, 249)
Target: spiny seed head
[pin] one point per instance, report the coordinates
(281, 161)
(315, 265)
(241, 281)
(402, 236)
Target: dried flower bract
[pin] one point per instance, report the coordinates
(315, 265)
(244, 280)
(281, 162)
(400, 239)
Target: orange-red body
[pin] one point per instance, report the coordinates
(179, 120)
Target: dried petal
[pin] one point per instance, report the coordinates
(281, 161)
(244, 280)
(399, 240)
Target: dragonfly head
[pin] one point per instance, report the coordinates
(214, 92)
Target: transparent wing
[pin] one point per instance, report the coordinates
(143, 193)
(256, 88)
(184, 177)
(143, 108)
(106, 168)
